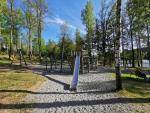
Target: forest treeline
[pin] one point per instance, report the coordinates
(21, 28)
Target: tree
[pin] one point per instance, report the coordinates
(36, 47)
(79, 41)
(14, 24)
(124, 39)
(103, 21)
(138, 11)
(89, 21)
(30, 23)
(2, 6)
(78, 47)
(117, 46)
(104, 32)
(41, 9)
(11, 13)
(17, 25)
(64, 30)
(52, 52)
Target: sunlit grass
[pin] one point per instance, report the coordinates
(4, 60)
(134, 86)
(17, 80)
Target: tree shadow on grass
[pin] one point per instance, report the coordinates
(5, 67)
(75, 103)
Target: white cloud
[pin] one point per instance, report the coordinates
(55, 21)
(59, 21)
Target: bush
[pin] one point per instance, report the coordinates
(139, 73)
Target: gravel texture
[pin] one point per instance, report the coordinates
(94, 95)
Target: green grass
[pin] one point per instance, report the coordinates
(134, 87)
(13, 78)
(131, 68)
(4, 60)
(17, 80)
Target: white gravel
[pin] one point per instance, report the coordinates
(93, 96)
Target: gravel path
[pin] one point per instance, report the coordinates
(94, 95)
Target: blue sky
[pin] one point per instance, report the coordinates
(61, 11)
(65, 11)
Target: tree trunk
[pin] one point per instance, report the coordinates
(81, 62)
(104, 43)
(39, 15)
(39, 39)
(140, 55)
(20, 57)
(131, 35)
(0, 35)
(123, 54)
(148, 39)
(117, 47)
(89, 41)
(30, 46)
(62, 54)
(148, 42)
(11, 30)
(138, 59)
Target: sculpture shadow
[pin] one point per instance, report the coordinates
(65, 85)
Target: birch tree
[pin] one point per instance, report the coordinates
(89, 21)
(117, 46)
(40, 9)
(30, 23)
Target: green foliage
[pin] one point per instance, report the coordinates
(89, 21)
(52, 48)
(88, 17)
(36, 47)
(68, 44)
(2, 5)
(30, 21)
(2, 15)
(79, 41)
(30, 17)
(138, 11)
(18, 24)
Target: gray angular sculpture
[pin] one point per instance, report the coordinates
(74, 82)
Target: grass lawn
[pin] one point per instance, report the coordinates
(4, 60)
(16, 83)
(134, 87)
(13, 80)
